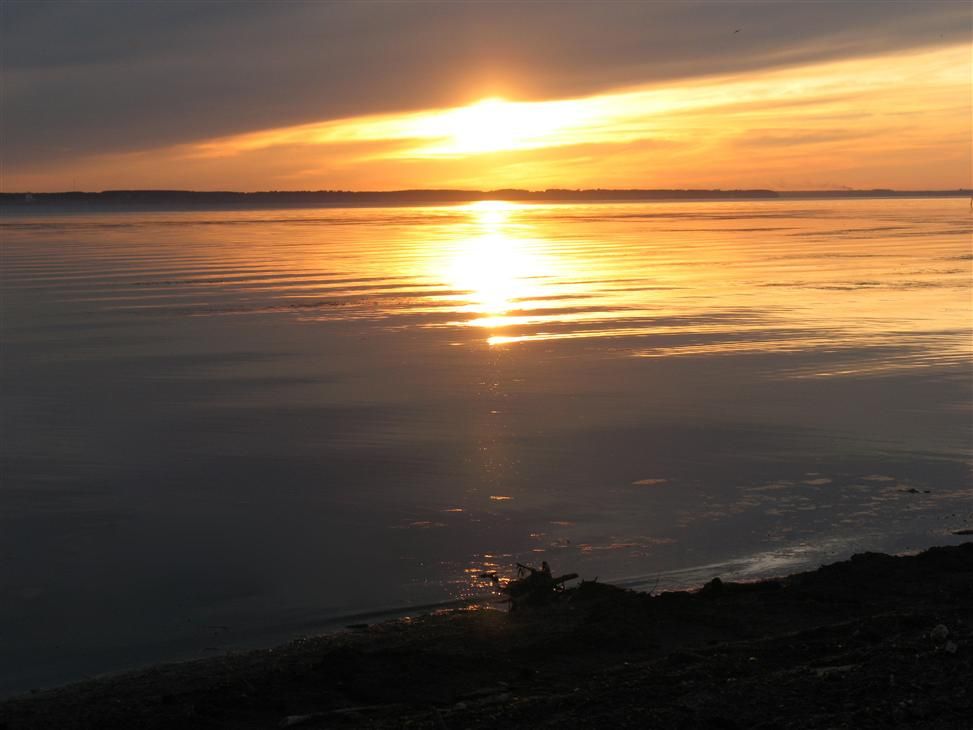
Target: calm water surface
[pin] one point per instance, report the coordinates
(227, 428)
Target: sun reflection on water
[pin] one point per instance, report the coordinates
(496, 269)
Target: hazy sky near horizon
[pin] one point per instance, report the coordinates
(380, 95)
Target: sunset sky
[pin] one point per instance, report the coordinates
(379, 96)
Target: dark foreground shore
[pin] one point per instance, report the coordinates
(873, 642)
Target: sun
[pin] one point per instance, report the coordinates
(488, 126)
(491, 125)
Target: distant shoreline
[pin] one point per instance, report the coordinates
(189, 199)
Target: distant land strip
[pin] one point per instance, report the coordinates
(310, 198)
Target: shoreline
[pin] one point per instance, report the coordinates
(729, 653)
(108, 201)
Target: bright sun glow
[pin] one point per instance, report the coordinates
(491, 125)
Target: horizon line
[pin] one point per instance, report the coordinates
(498, 192)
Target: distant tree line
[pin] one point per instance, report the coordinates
(309, 198)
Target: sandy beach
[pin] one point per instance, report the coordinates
(872, 642)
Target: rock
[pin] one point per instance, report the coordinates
(939, 633)
(714, 587)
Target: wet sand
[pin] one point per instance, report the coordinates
(873, 642)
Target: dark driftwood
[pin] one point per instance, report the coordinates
(532, 587)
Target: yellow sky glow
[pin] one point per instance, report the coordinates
(892, 121)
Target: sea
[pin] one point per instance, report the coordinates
(224, 429)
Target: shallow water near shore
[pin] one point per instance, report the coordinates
(219, 427)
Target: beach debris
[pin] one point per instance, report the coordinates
(484, 692)
(292, 720)
(835, 671)
(344, 712)
(532, 586)
(483, 697)
(966, 531)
